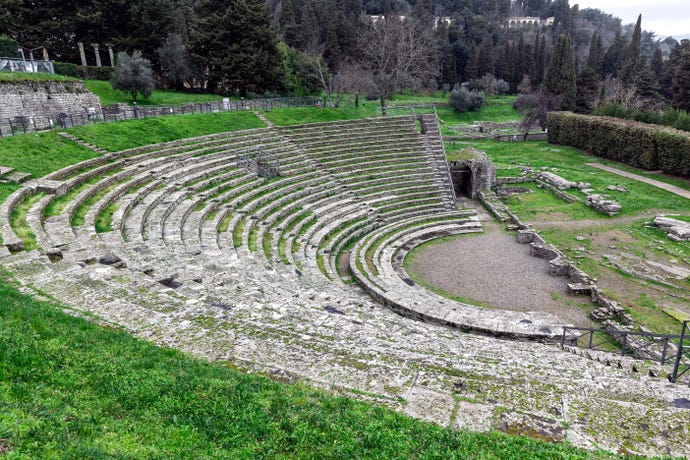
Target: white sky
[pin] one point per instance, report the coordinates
(664, 17)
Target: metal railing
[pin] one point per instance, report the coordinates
(661, 348)
(24, 124)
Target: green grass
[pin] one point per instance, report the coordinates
(510, 157)
(19, 223)
(40, 154)
(71, 389)
(26, 76)
(108, 95)
(135, 133)
(79, 216)
(104, 221)
(498, 110)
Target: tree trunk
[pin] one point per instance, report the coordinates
(383, 105)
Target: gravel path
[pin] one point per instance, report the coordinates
(662, 185)
(494, 269)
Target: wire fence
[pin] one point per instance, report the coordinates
(23, 124)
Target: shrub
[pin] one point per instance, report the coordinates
(465, 100)
(8, 47)
(502, 86)
(637, 144)
(83, 72)
(66, 68)
(133, 74)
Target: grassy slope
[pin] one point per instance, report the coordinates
(41, 153)
(134, 133)
(71, 389)
(108, 95)
(497, 109)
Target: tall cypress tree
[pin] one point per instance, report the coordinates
(632, 63)
(594, 58)
(681, 83)
(615, 56)
(560, 76)
(238, 47)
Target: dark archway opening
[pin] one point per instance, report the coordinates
(462, 180)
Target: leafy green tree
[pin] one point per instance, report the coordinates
(615, 55)
(657, 63)
(175, 61)
(587, 91)
(237, 46)
(133, 74)
(560, 76)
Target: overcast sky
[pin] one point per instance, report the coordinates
(664, 17)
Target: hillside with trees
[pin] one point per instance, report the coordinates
(372, 48)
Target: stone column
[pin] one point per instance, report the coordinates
(112, 57)
(98, 55)
(45, 55)
(82, 54)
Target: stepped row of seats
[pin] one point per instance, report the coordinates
(179, 244)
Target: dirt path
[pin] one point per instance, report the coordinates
(494, 269)
(662, 185)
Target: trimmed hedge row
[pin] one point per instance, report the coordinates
(641, 145)
(83, 72)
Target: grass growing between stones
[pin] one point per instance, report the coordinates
(104, 221)
(19, 222)
(71, 389)
(78, 219)
(128, 134)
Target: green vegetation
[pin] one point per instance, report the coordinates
(40, 154)
(509, 158)
(25, 76)
(104, 221)
(19, 223)
(108, 95)
(135, 133)
(637, 144)
(71, 389)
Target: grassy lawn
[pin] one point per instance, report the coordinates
(498, 110)
(510, 157)
(40, 154)
(71, 389)
(109, 96)
(127, 134)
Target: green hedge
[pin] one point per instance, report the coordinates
(83, 72)
(641, 145)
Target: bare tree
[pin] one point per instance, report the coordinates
(620, 93)
(313, 66)
(398, 54)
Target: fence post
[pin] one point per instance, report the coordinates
(679, 355)
(625, 342)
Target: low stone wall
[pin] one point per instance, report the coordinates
(46, 98)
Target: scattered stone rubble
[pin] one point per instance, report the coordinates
(677, 230)
(602, 203)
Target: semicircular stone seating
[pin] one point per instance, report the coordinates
(181, 245)
(192, 225)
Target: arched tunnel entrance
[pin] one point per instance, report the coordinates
(462, 180)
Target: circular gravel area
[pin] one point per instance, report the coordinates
(493, 269)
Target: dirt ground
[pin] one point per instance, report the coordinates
(494, 270)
